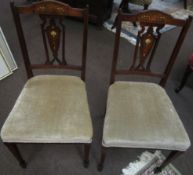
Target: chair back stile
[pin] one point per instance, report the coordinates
(52, 14)
(151, 22)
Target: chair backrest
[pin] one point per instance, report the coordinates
(150, 22)
(52, 14)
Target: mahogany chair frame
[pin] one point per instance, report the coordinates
(50, 10)
(146, 45)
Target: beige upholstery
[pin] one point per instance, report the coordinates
(50, 109)
(141, 115)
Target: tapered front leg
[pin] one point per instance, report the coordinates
(86, 154)
(171, 156)
(102, 159)
(15, 151)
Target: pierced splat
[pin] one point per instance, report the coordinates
(53, 35)
(147, 41)
(53, 32)
(150, 22)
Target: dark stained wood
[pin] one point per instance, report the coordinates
(173, 155)
(102, 159)
(21, 40)
(176, 51)
(153, 17)
(147, 42)
(151, 22)
(84, 46)
(53, 34)
(86, 154)
(185, 4)
(116, 48)
(52, 14)
(15, 151)
(50, 7)
(44, 37)
(51, 66)
(138, 72)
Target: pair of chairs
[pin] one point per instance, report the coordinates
(54, 108)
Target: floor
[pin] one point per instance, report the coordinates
(67, 159)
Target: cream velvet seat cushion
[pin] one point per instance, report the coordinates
(141, 115)
(50, 109)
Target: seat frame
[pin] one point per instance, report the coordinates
(146, 45)
(50, 10)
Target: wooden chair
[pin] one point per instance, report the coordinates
(140, 114)
(50, 108)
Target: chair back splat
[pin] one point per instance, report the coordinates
(52, 14)
(150, 22)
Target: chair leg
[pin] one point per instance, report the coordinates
(86, 155)
(15, 151)
(171, 156)
(145, 7)
(187, 73)
(102, 159)
(185, 4)
(124, 6)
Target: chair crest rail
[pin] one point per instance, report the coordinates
(51, 7)
(149, 24)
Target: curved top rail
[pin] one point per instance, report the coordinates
(151, 17)
(50, 7)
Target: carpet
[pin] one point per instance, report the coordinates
(146, 164)
(129, 31)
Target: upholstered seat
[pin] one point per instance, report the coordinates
(50, 109)
(141, 115)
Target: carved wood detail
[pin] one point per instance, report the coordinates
(53, 32)
(52, 14)
(147, 41)
(151, 22)
(152, 17)
(50, 7)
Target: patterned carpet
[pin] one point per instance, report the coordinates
(147, 163)
(129, 31)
